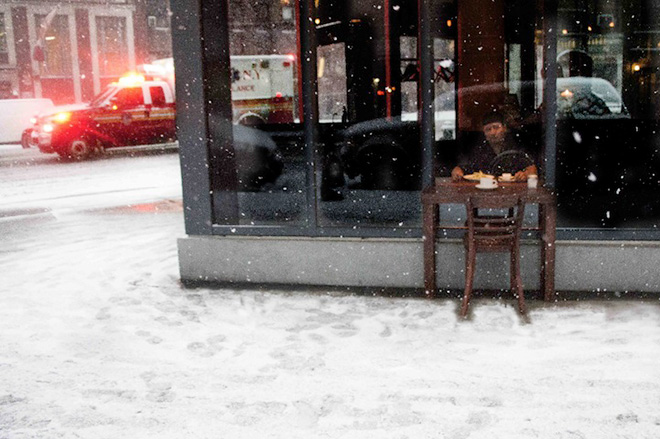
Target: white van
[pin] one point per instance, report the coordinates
(15, 115)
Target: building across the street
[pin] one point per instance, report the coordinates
(308, 129)
(69, 50)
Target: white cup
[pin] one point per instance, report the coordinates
(507, 176)
(532, 181)
(487, 182)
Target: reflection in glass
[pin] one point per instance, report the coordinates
(57, 46)
(265, 171)
(4, 48)
(112, 46)
(608, 133)
(488, 104)
(332, 83)
(370, 154)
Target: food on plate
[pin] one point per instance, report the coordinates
(476, 176)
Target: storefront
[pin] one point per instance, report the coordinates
(315, 177)
(70, 52)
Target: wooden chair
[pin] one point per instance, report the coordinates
(494, 232)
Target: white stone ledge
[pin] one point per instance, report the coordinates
(615, 266)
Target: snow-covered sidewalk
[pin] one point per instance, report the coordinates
(99, 340)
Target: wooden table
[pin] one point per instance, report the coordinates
(447, 192)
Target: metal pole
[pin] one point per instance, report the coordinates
(310, 105)
(550, 90)
(192, 126)
(426, 90)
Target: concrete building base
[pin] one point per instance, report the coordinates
(605, 266)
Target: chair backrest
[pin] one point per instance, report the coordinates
(505, 222)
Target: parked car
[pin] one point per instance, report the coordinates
(18, 117)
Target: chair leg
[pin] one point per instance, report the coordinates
(515, 274)
(512, 277)
(470, 260)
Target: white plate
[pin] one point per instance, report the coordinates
(479, 186)
(472, 177)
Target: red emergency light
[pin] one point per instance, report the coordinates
(291, 57)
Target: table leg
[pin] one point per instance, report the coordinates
(548, 225)
(430, 218)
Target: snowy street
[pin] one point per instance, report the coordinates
(32, 180)
(98, 339)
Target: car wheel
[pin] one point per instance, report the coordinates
(390, 175)
(251, 120)
(99, 149)
(383, 172)
(25, 139)
(332, 180)
(79, 149)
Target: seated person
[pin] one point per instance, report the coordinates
(498, 153)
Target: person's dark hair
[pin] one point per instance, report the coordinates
(493, 117)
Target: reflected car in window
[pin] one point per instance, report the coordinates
(600, 149)
(384, 153)
(579, 97)
(258, 158)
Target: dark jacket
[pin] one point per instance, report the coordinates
(481, 157)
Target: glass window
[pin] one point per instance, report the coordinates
(487, 74)
(157, 96)
(370, 154)
(4, 48)
(130, 97)
(56, 46)
(444, 74)
(111, 45)
(499, 70)
(608, 130)
(265, 170)
(332, 82)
